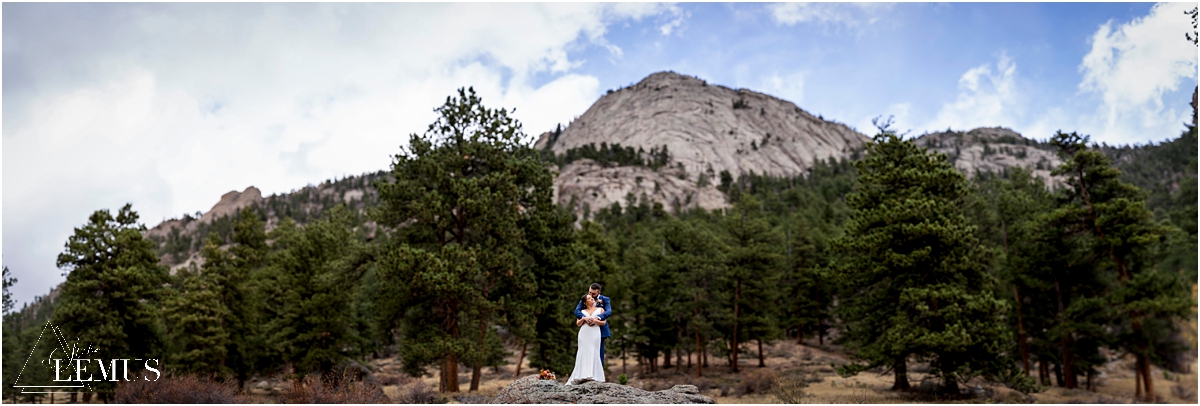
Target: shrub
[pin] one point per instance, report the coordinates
(393, 379)
(313, 389)
(790, 389)
(416, 392)
(1183, 392)
(623, 379)
(757, 381)
(176, 389)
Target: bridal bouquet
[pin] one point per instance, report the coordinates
(546, 375)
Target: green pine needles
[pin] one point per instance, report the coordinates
(914, 280)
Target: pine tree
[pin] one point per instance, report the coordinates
(111, 294)
(913, 274)
(197, 319)
(753, 270)
(465, 184)
(310, 278)
(1006, 208)
(695, 254)
(653, 330)
(554, 259)
(9, 281)
(249, 252)
(1114, 227)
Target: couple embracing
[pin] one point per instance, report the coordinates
(591, 316)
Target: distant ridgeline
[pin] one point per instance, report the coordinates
(1166, 171)
(1159, 169)
(179, 240)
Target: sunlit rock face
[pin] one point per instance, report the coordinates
(706, 129)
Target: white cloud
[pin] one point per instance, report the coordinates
(987, 97)
(1131, 66)
(675, 23)
(850, 15)
(168, 106)
(789, 87)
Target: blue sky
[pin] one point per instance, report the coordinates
(169, 106)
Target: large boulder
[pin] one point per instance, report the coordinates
(530, 389)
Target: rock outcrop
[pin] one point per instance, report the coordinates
(532, 390)
(229, 204)
(993, 149)
(706, 128)
(598, 187)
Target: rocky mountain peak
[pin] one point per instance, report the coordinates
(706, 129)
(231, 202)
(709, 128)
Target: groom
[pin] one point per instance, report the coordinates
(602, 302)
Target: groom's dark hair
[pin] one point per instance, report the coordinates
(596, 286)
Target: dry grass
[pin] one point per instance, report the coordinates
(756, 381)
(790, 389)
(313, 389)
(802, 374)
(416, 392)
(177, 389)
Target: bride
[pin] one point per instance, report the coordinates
(587, 359)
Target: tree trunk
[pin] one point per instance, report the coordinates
(1148, 379)
(679, 330)
(476, 372)
(696, 316)
(624, 357)
(689, 354)
(1058, 375)
(449, 374)
(737, 297)
(449, 369)
(1137, 378)
(820, 332)
(900, 367)
(666, 360)
(800, 334)
(1068, 369)
(520, 360)
(761, 364)
(1021, 332)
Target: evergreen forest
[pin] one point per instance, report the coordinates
(894, 255)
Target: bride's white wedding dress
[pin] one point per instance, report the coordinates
(587, 359)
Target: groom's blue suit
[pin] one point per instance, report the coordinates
(604, 332)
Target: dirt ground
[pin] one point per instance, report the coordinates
(785, 361)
